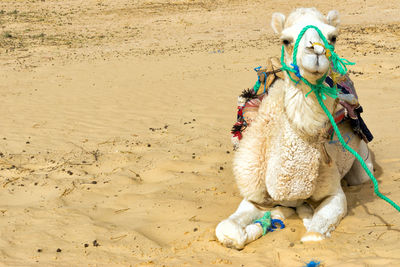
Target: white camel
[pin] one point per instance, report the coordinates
(280, 161)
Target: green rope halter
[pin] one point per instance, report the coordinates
(321, 91)
(265, 222)
(319, 88)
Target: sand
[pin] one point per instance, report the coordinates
(114, 133)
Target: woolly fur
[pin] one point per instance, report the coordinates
(282, 164)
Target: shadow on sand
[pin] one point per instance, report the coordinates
(360, 195)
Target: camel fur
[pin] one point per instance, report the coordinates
(279, 161)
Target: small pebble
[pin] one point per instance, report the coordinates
(39, 250)
(94, 182)
(291, 244)
(221, 168)
(86, 245)
(148, 145)
(59, 250)
(195, 229)
(95, 243)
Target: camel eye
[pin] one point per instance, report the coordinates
(332, 39)
(286, 42)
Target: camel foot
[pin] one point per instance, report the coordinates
(230, 234)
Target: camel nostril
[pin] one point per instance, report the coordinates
(319, 49)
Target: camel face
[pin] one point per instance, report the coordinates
(311, 55)
(311, 59)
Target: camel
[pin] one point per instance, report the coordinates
(285, 163)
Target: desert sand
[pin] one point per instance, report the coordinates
(115, 132)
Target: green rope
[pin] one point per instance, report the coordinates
(256, 86)
(355, 154)
(321, 91)
(338, 63)
(265, 222)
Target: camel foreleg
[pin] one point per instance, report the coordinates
(327, 215)
(239, 229)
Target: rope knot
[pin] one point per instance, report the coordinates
(296, 70)
(268, 224)
(265, 222)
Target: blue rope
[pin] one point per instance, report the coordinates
(296, 70)
(273, 225)
(258, 82)
(313, 263)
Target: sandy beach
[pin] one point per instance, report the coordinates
(115, 132)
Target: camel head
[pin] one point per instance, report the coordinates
(311, 56)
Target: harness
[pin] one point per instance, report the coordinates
(250, 100)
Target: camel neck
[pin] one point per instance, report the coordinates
(305, 113)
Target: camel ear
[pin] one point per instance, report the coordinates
(278, 22)
(333, 18)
